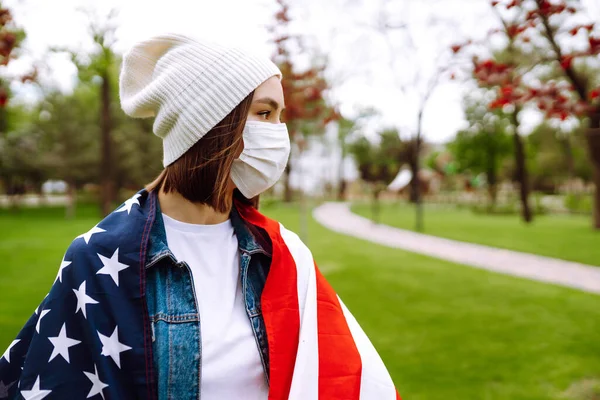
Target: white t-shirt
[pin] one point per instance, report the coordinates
(231, 364)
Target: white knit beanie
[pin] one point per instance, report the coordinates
(188, 85)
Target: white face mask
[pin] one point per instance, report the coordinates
(263, 160)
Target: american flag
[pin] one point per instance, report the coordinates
(87, 337)
(317, 349)
(91, 337)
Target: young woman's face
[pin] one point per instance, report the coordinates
(267, 102)
(267, 106)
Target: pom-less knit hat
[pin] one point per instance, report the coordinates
(188, 85)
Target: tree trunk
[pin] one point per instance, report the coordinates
(288, 194)
(491, 174)
(106, 175)
(414, 182)
(570, 161)
(415, 185)
(12, 190)
(596, 198)
(492, 187)
(3, 120)
(71, 200)
(522, 177)
(342, 189)
(593, 140)
(342, 186)
(493, 196)
(581, 87)
(521, 166)
(419, 223)
(375, 207)
(43, 198)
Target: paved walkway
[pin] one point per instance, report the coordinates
(339, 218)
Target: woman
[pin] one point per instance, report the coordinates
(186, 291)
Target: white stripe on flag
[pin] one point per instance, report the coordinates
(305, 381)
(376, 382)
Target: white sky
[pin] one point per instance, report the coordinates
(359, 59)
(333, 25)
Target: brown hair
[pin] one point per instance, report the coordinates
(201, 174)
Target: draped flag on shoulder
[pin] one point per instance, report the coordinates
(91, 336)
(317, 350)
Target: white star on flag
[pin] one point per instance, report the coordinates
(63, 265)
(6, 354)
(112, 266)
(88, 235)
(129, 203)
(97, 384)
(83, 299)
(61, 344)
(112, 347)
(35, 393)
(4, 389)
(37, 325)
(38, 307)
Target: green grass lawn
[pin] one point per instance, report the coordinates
(569, 237)
(445, 331)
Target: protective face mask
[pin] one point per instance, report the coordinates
(263, 160)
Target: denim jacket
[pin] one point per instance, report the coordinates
(173, 310)
(130, 309)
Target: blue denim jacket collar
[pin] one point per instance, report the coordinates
(255, 254)
(248, 242)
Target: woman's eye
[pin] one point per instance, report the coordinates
(265, 114)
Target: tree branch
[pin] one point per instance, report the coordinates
(578, 84)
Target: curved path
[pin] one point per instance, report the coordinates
(339, 218)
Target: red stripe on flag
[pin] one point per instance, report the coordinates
(340, 366)
(279, 303)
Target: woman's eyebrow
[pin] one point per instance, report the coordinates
(269, 101)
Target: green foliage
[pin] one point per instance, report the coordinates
(64, 131)
(70, 135)
(431, 160)
(345, 127)
(485, 144)
(555, 156)
(579, 203)
(18, 166)
(379, 163)
(512, 208)
(138, 151)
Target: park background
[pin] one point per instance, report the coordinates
(472, 120)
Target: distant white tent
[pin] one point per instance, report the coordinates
(51, 187)
(401, 180)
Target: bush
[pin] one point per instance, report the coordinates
(579, 203)
(269, 202)
(512, 208)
